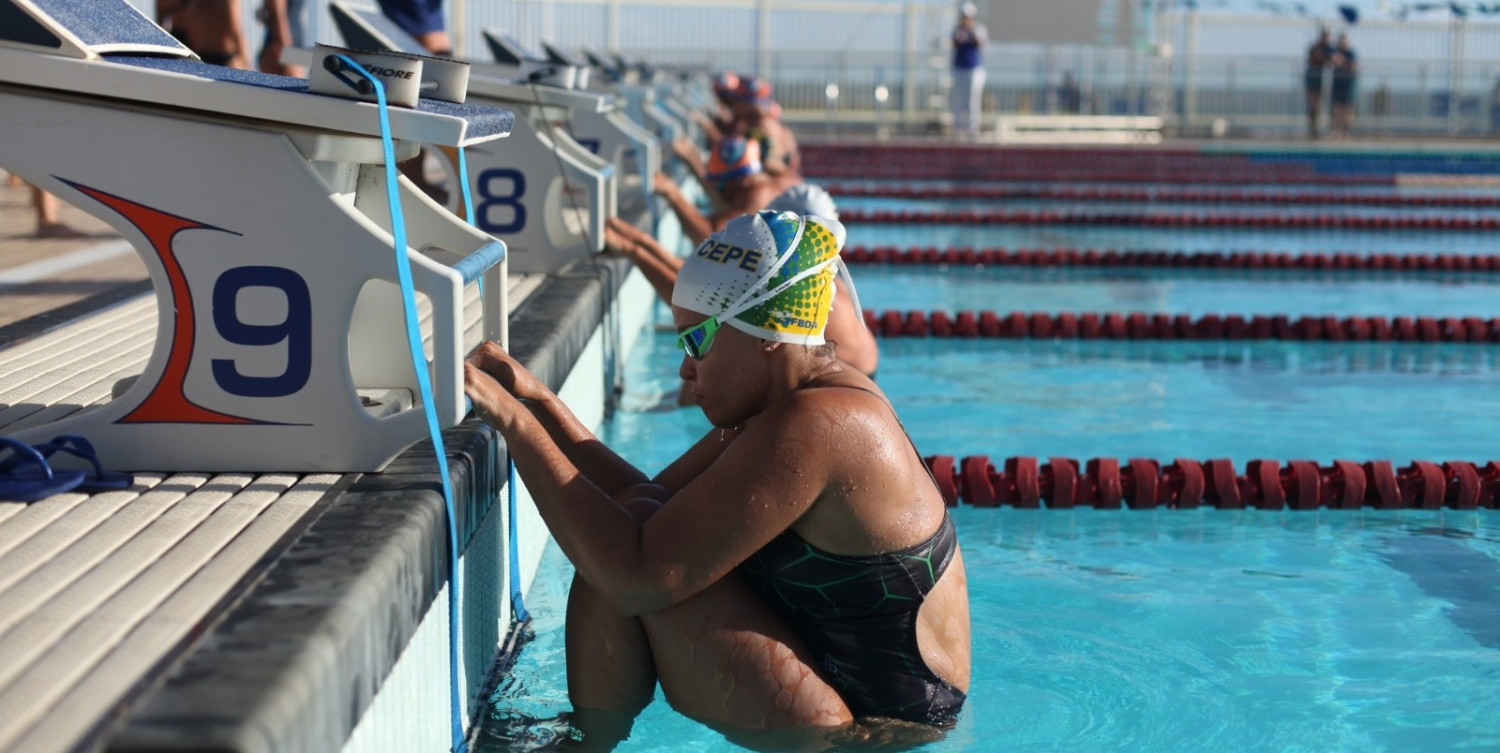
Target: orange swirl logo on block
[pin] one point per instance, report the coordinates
(167, 402)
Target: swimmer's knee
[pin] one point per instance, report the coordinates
(641, 500)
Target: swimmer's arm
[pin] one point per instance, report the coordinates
(857, 345)
(688, 153)
(594, 459)
(793, 155)
(756, 489)
(710, 126)
(659, 267)
(696, 460)
(754, 492)
(694, 224)
(499, 385)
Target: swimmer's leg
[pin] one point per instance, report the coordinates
(611, 676)
(724, 658)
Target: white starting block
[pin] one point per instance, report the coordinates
(543, 193)
(640, 99)
(261, 212)
(673, 99)
(609, 132)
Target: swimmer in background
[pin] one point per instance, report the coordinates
(721, 120)
(758, 118)
(736, 184)
(752, 579)
(747, 109)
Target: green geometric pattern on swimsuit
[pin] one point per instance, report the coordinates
(802, 308)
(826, 588)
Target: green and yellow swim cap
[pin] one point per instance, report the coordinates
(768, 274)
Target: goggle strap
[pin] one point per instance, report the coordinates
(859, 313)
(745, 302)
(773, 292)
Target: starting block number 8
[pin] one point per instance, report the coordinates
(489, 199)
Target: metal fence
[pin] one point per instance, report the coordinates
(847, 62)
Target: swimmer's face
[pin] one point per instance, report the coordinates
(722, 381)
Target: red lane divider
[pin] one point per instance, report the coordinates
(1072, 257)
(1138, 325)
(865, 170)
(1167, 194)
(1064, 165)
(1163, 219)
(1140, 483)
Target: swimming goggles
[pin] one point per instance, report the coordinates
(697, 339)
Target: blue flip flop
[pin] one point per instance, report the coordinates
(99, 480)
(26, 476)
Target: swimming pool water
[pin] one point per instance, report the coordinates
(1176, 291)
(1192, 630)
(1185, 239)
(1170, 630)
(1085, 207)
(1164, 630)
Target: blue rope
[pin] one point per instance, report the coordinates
(513, 561)
(463, 180)
(424, 386)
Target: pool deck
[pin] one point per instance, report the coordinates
(242, 611)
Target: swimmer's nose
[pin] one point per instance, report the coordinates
(688, 369)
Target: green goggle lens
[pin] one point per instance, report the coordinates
(696, 340)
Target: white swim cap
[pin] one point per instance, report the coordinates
(968, 9)
(767, 274)
(805, 198)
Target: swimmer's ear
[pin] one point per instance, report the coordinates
(769, 345)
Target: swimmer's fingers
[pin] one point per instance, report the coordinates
(626, 231)
(492, 402)
(615, 240)
(506, 371)
(663, 183)
(684, 147)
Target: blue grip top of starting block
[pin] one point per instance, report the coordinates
(107, 25)
(102, 26)
(558, 55)
(508, 50)
(472, 266)
(482, 121)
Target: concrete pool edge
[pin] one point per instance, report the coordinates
(302, 660)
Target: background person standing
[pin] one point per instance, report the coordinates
(969, 38)
(1318, 56)
(1345, 70)
(210, 28)
(423, 19)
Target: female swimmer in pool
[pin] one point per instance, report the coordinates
(795, 568)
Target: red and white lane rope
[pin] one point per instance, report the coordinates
(1143, 326)
(1165, 219)
(1139, 483)
(1075, 257)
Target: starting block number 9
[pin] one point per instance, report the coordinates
(491, 183)
(295, 330)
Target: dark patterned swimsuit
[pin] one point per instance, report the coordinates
(859, 615)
